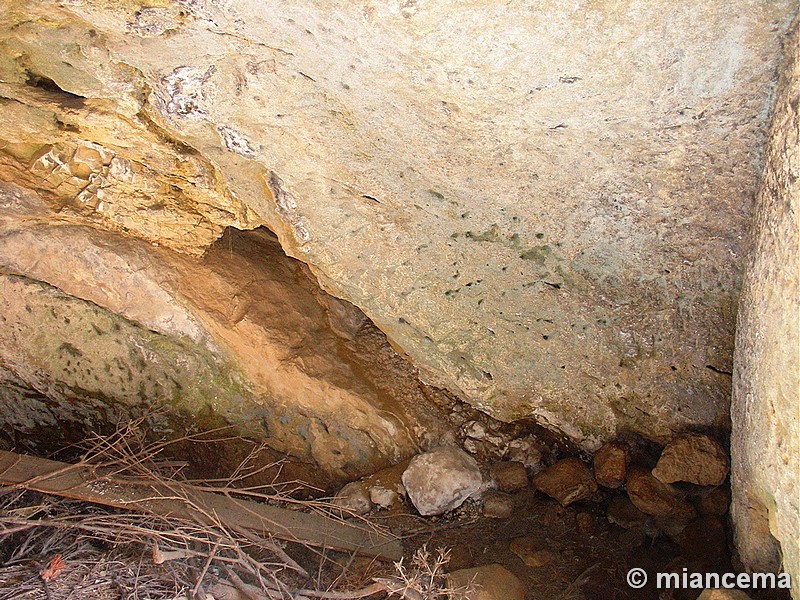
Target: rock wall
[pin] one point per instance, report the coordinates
(103, 326)
(542, 205)
(765, 440)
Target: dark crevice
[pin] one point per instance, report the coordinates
(63, 97)
(720, 371)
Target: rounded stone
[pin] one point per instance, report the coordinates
(489, 582)
(509, 476)
(440, 480)
(567, 481)
(354, 498)
(693, 458)
(497, 505)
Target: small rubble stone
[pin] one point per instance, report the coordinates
(529, 550)
(354, 498)
(693, 458)
(715, 501)
(611, 464)
(509, 476)
(382, 497)
(526, 450)
(475, 430)
(497, 505)
(568, 481)
(722, 594)
(655, 498)
(584, 523)
(440, 480)
(489, 582)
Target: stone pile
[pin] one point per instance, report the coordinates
(682, 497)
(444, 478)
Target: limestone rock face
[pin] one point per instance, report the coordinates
(543, 208)
(243, 333)
(765, 441)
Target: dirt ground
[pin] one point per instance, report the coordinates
(578, 564)
(590, 566)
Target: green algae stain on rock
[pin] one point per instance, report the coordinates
(538, 254)
(90, 351)
(92, 369)
(98, 368)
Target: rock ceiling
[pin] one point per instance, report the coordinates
(543, 205)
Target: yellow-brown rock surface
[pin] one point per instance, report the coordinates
(543, 205)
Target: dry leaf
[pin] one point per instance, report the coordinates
(54, 567)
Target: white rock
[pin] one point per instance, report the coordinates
(354, 497)
(471, 446)
(382, 497)
(524, 450)
(440, 480)
(475, 430)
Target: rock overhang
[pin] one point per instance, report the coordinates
(543, 208)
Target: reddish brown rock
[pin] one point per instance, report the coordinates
(655, 498)
(694, 458)
(497, 505)
(611, 464)
(567, 481)
(510, 476)
(715, 501)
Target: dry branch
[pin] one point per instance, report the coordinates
(82, 482)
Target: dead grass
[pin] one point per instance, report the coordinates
(112, 553)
